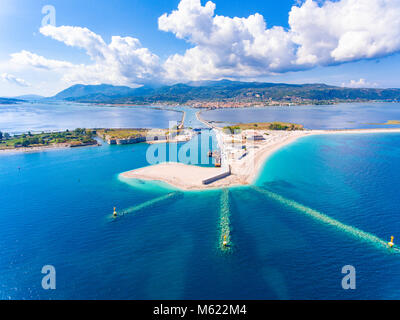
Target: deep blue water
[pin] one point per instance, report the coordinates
(339, 116)
(56, 209)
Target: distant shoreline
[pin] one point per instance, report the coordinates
(161, 106)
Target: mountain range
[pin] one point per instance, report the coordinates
(224, 90)
(233, 92)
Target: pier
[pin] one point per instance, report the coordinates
(182, 124)
(221, 175)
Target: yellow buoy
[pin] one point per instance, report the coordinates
(391, 243)
(225, 243)
(114, 213)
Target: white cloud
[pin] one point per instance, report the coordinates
(26, 58)
(77, 37)
(123, 61)
(225, 47)
(320, 33)
(345, 30)
(14, 80)
(362, 83)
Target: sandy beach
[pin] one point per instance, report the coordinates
(52, 147)
(244, 170)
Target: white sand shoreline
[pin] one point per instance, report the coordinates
(42, 149)
(244, 171)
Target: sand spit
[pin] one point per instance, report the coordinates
(244, 163)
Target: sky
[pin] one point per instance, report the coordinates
(47, 46)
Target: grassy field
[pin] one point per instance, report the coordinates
(121, 133)
(264, 126)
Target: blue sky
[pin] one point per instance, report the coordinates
(199, 41)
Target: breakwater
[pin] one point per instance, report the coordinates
(150, 203)
(225, 223)
(323, 218)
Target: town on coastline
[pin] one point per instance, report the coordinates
(221, 94)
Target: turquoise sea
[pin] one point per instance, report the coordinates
(57, 210)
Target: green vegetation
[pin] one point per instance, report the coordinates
(228, 91)
(232, 129)
(389, 122)
(121, 133)
(77, 137)
(263, 126)
(134, 133)
(393, 122)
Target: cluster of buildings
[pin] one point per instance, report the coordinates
(288, 101)
(236, 146)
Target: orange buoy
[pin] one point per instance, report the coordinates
(225, 243)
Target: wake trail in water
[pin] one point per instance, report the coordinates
(225, 224)
(321, 217)
(150, 203)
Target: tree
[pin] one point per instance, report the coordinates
(1, 135)
(25, 142)
(6, 135)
